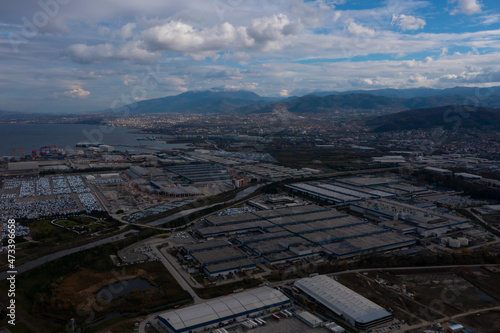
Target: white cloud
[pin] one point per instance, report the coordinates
(413, 63)
(284, 93)
(75, 93)
(176, 36)
(84, 54)
(490, 19)
(408, 22)
(467, 7)
(127, 30)
(133, 50)
(355, 29)
(268, 33)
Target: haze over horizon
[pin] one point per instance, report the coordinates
(73, 55)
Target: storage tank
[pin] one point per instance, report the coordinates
(463, 241)
(454, 243)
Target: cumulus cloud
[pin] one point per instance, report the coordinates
(407, 22)
(268, 33)
(77, 93)
(176, 36)
(127, 30)
(468, 7)
(133, 50)
(418, 80)
(284, 93)
(413, 63)
(355, 29)
(84, 54)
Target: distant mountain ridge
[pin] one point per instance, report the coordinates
(362, 102)
(207, 101)
(481, 92)
(4, 112)
(365, 101)
(449, 117)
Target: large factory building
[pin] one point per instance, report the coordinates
(357, 310)
(223, 310)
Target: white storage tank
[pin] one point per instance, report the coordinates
(454, 243)
(463, 241)
(445, 240)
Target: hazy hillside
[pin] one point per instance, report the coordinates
(209, 101)
(419, 92)
(360, 102)
(446, 116)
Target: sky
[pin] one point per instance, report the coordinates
(88, 55)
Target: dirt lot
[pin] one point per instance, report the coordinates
(488, 322)
(404, 308)
(428, 295)
(493, 219)
(448, 293)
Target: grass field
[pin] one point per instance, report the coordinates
(66, 288)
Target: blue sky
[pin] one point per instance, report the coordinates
(75, 55)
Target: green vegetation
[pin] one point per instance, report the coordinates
(334, 159)
(49, 238)
(65, 288)
(380, 261)
(476, 191)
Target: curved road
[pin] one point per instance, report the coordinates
(240, 195)
(56, 255)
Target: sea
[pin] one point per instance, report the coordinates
(66, 136)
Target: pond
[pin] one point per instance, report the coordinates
(123, 288)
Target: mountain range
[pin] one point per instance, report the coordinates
(365, 102)
(379, 101)
(418, 92)
(208, 101)
(448, 117)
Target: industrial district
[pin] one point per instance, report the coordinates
(229, 240)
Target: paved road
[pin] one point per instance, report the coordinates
(239, 196)
(168, 265)
(176, 275)
(361, 270)
(56, 255)
(453, 318)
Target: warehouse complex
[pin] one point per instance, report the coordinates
(407, 218)
(201, 173)
(223, 310)
(283, 234)
(357, 310)
(358, 188)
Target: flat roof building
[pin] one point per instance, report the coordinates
(357, 310)
(222, 310)
(439, 171)
(22, 166)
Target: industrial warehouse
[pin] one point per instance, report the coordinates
(223, 310)
(201, 173)
(283, 234)
(353, 189)
(358, 311)
(407, 218)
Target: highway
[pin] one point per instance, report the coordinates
(56, 255)
(240, 195)
(178, 277)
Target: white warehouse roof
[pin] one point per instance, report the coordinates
(341, 300)
(223, 308)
